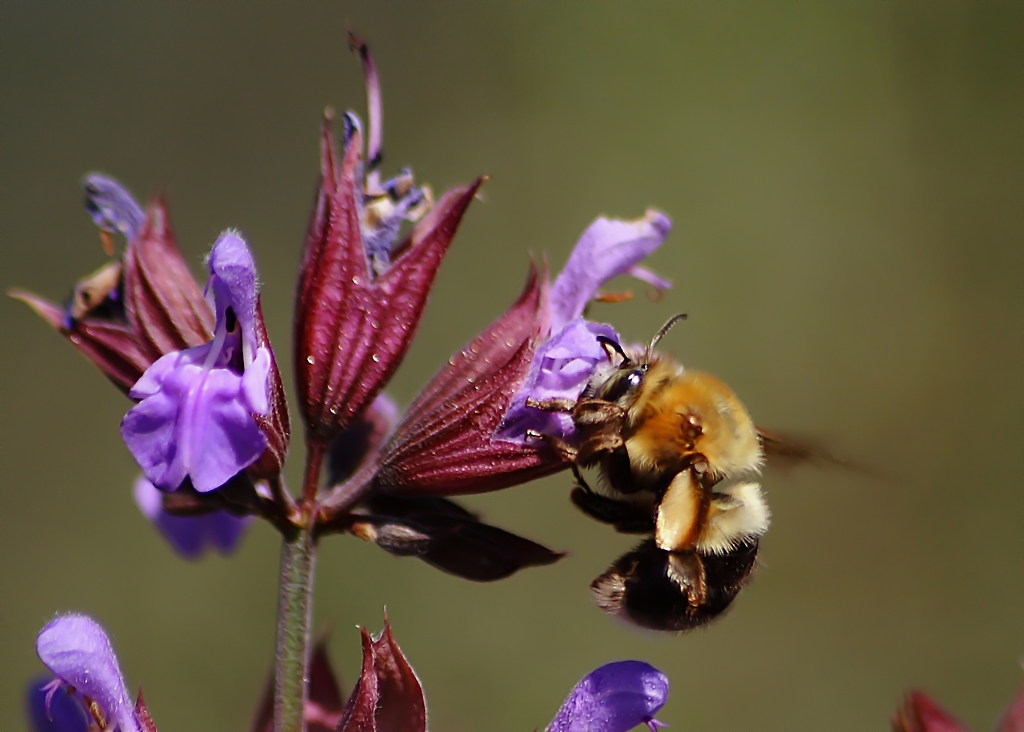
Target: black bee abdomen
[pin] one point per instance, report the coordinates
(673, 591)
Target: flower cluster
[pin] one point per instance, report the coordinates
(87, 684)
(209, 425)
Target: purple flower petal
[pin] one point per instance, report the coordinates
(233, 282)
(609, 247)
(560, 370)
(613, 698)
(195, 423)
(189, 536)
(111, 206)
(196, 417)
(77, 651)
(63, 713)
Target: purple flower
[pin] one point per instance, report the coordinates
(608, 248)
(564, 364)
(614, 698)
(53, 712)
(189, 536)
(196, 415)
(112, 207)
(77, 652)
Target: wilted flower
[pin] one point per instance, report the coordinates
(77, 652)
(196, 418)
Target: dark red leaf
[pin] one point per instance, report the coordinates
(359, 714)
(388, 696)
(352, 330)
(445, 443)
(276, 425)
(143, 715)
(920, 714)
(111, 346)
(1013, 718)
(448, 537)
(402, 707)
(164, 305)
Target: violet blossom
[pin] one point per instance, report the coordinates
(565, 362)
(196, 415)
(189, 536)
(59, 712)
(78, 653)
(614, 698)
(112, 207)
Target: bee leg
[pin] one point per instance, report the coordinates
(551, 405)
(567, 452)
(686, 569)
(625, 516)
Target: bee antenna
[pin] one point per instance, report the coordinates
(612, 346)
(665, 329)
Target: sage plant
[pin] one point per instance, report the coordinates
(209, 425)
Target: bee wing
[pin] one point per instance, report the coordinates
(786, 451)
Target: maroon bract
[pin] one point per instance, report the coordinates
(164, 304)
(388, 696)
(352, 326)
(151, 307)
(446, 536)
(445, 443)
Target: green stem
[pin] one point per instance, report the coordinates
(294, 615)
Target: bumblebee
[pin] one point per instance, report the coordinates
(678, 456)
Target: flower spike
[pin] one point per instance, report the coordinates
(352, 327)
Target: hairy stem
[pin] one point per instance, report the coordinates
(294, 615)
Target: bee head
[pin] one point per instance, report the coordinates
(625, 379)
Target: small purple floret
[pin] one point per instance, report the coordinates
(565, 363)
(58, 712)
(608, 248)
(190, 536)
(560, 369)
(195, 419)
(77, 651)
(111, 206)
(614, 698)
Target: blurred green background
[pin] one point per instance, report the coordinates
(846, 184)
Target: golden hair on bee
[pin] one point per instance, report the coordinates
(675, 449)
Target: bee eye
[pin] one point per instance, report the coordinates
(625, 384)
